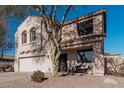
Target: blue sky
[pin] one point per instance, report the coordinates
(114, 41)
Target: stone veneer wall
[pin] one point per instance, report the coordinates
(98, 66)
(69, 32)
(70, 35)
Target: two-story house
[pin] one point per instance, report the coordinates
(82, 40)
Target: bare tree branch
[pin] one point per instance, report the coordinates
(51, 12)
(65, 14)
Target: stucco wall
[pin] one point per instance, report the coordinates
(31, 49)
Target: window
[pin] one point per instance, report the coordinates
(85, 27)
(24, 37)
(16, 42)
(85, 56)
(62, 64)
(33, 34)
(1, 60)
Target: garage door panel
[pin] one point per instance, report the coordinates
(33, 64)
(26, 65)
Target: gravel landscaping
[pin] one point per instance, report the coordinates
(70, 81)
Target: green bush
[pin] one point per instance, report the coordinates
(37, 76)
(110, 60)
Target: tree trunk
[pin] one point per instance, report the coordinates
(55, 69)
(55, 59)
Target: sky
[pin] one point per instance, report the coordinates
(114, 42)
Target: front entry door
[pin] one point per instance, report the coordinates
(62, 65)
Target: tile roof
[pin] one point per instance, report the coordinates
(8, 57)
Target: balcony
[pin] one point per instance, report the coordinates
(82, 40)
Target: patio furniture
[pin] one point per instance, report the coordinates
(82, 68)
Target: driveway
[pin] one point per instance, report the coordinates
(12, 76)
(23, 80)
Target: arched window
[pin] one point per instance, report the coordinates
(24, 37)
(33, 34)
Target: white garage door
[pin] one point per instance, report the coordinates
(34, 64)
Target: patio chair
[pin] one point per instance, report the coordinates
(82, 68)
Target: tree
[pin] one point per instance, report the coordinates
(54, 16)
(5, 43)
(112, 62)
(55, 32)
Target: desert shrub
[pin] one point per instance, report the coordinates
(115, 67)
(37, 76)
(110, 60)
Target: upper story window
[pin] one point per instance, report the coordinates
(85, 27)
(24, 37)
(33, 34)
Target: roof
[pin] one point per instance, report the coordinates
(111, 54)
(8, 57)
(102, 11)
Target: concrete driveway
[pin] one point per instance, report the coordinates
(12, 76)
